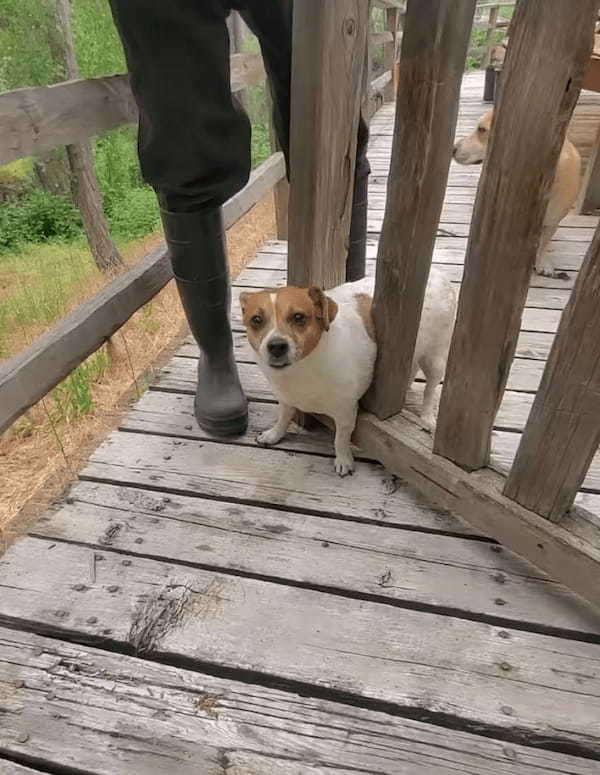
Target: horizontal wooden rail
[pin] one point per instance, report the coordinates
(39, 118)
(29, 376)
(377, 38)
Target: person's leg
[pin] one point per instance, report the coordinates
(194, 147)
(271, 21)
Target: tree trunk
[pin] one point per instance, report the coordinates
(237, 32)
(84, 183)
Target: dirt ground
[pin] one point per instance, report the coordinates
(42, 456)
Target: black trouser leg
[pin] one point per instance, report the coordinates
(194, 147)
(272, 24)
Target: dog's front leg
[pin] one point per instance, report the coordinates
(278, 431)
(345, 422)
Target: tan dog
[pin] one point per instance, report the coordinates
(472, 150)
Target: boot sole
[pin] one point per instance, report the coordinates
(231, 426)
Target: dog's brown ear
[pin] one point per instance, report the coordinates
(244, 300)
(325, 307)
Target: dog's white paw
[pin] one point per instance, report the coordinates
(268, 438)
(344, 464)
(545, 270)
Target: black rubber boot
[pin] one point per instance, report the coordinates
(357, 246)
(197, 248)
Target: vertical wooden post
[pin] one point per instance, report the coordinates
(434, 47)
(281, 190)
(589, 194)
(327, 67)
(491, 34)
(389, 60)
(237, 32)
(563, 430)
(529, 128)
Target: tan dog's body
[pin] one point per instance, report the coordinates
(472, 150)
(318, 351)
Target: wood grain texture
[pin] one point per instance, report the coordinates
(558, 550)
(530, 125)
(241, 474)
(471, 578)
(29, 376)
(327, 71)
(114, 715)
(39, 118)
(434, 46)
(469, 671)
(563, 430)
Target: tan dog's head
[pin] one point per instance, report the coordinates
(285, 325)
(472, 149)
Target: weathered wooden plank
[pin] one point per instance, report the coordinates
(442, 572)
(469, 671)
(140, 712)
(327, 70)
(504, 450)
(166, 414)
(503, 240)
(39, 118)
(29, 376)
(561, 551)
(264, 476)
(563, 431)
(11, 768)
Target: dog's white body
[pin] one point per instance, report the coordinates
(333, 377)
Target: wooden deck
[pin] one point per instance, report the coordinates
(203, 607)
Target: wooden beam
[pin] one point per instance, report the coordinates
(29, 376)
(405, 450)
(563, 430)
(392, 21)
(327, 67)
(434, 47)
(379, 38)
(589, 194)
(39, 118)
(491, 29)
(529, 128)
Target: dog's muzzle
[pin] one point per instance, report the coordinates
(279, 353)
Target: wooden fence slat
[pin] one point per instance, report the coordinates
(434, 46)
(530, 125)
(563, 430)
(327, 68)
(39, 118)
(27, 377)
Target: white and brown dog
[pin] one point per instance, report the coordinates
(318, 351)
(472, 150)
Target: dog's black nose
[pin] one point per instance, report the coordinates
(277, 347)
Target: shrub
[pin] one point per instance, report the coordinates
(134, 214)
(37, 217)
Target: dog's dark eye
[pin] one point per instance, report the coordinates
(299, 318)
(256, 320)
(481, 130)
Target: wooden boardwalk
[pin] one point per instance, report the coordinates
(204, 607)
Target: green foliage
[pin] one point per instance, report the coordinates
(37, 217)
(135, 214)
(25, 39)
(99, 50)
(73, 398)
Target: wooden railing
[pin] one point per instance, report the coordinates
(37, 119)
(531, 511)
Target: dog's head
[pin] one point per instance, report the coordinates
(285, 325)
(472, 149)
